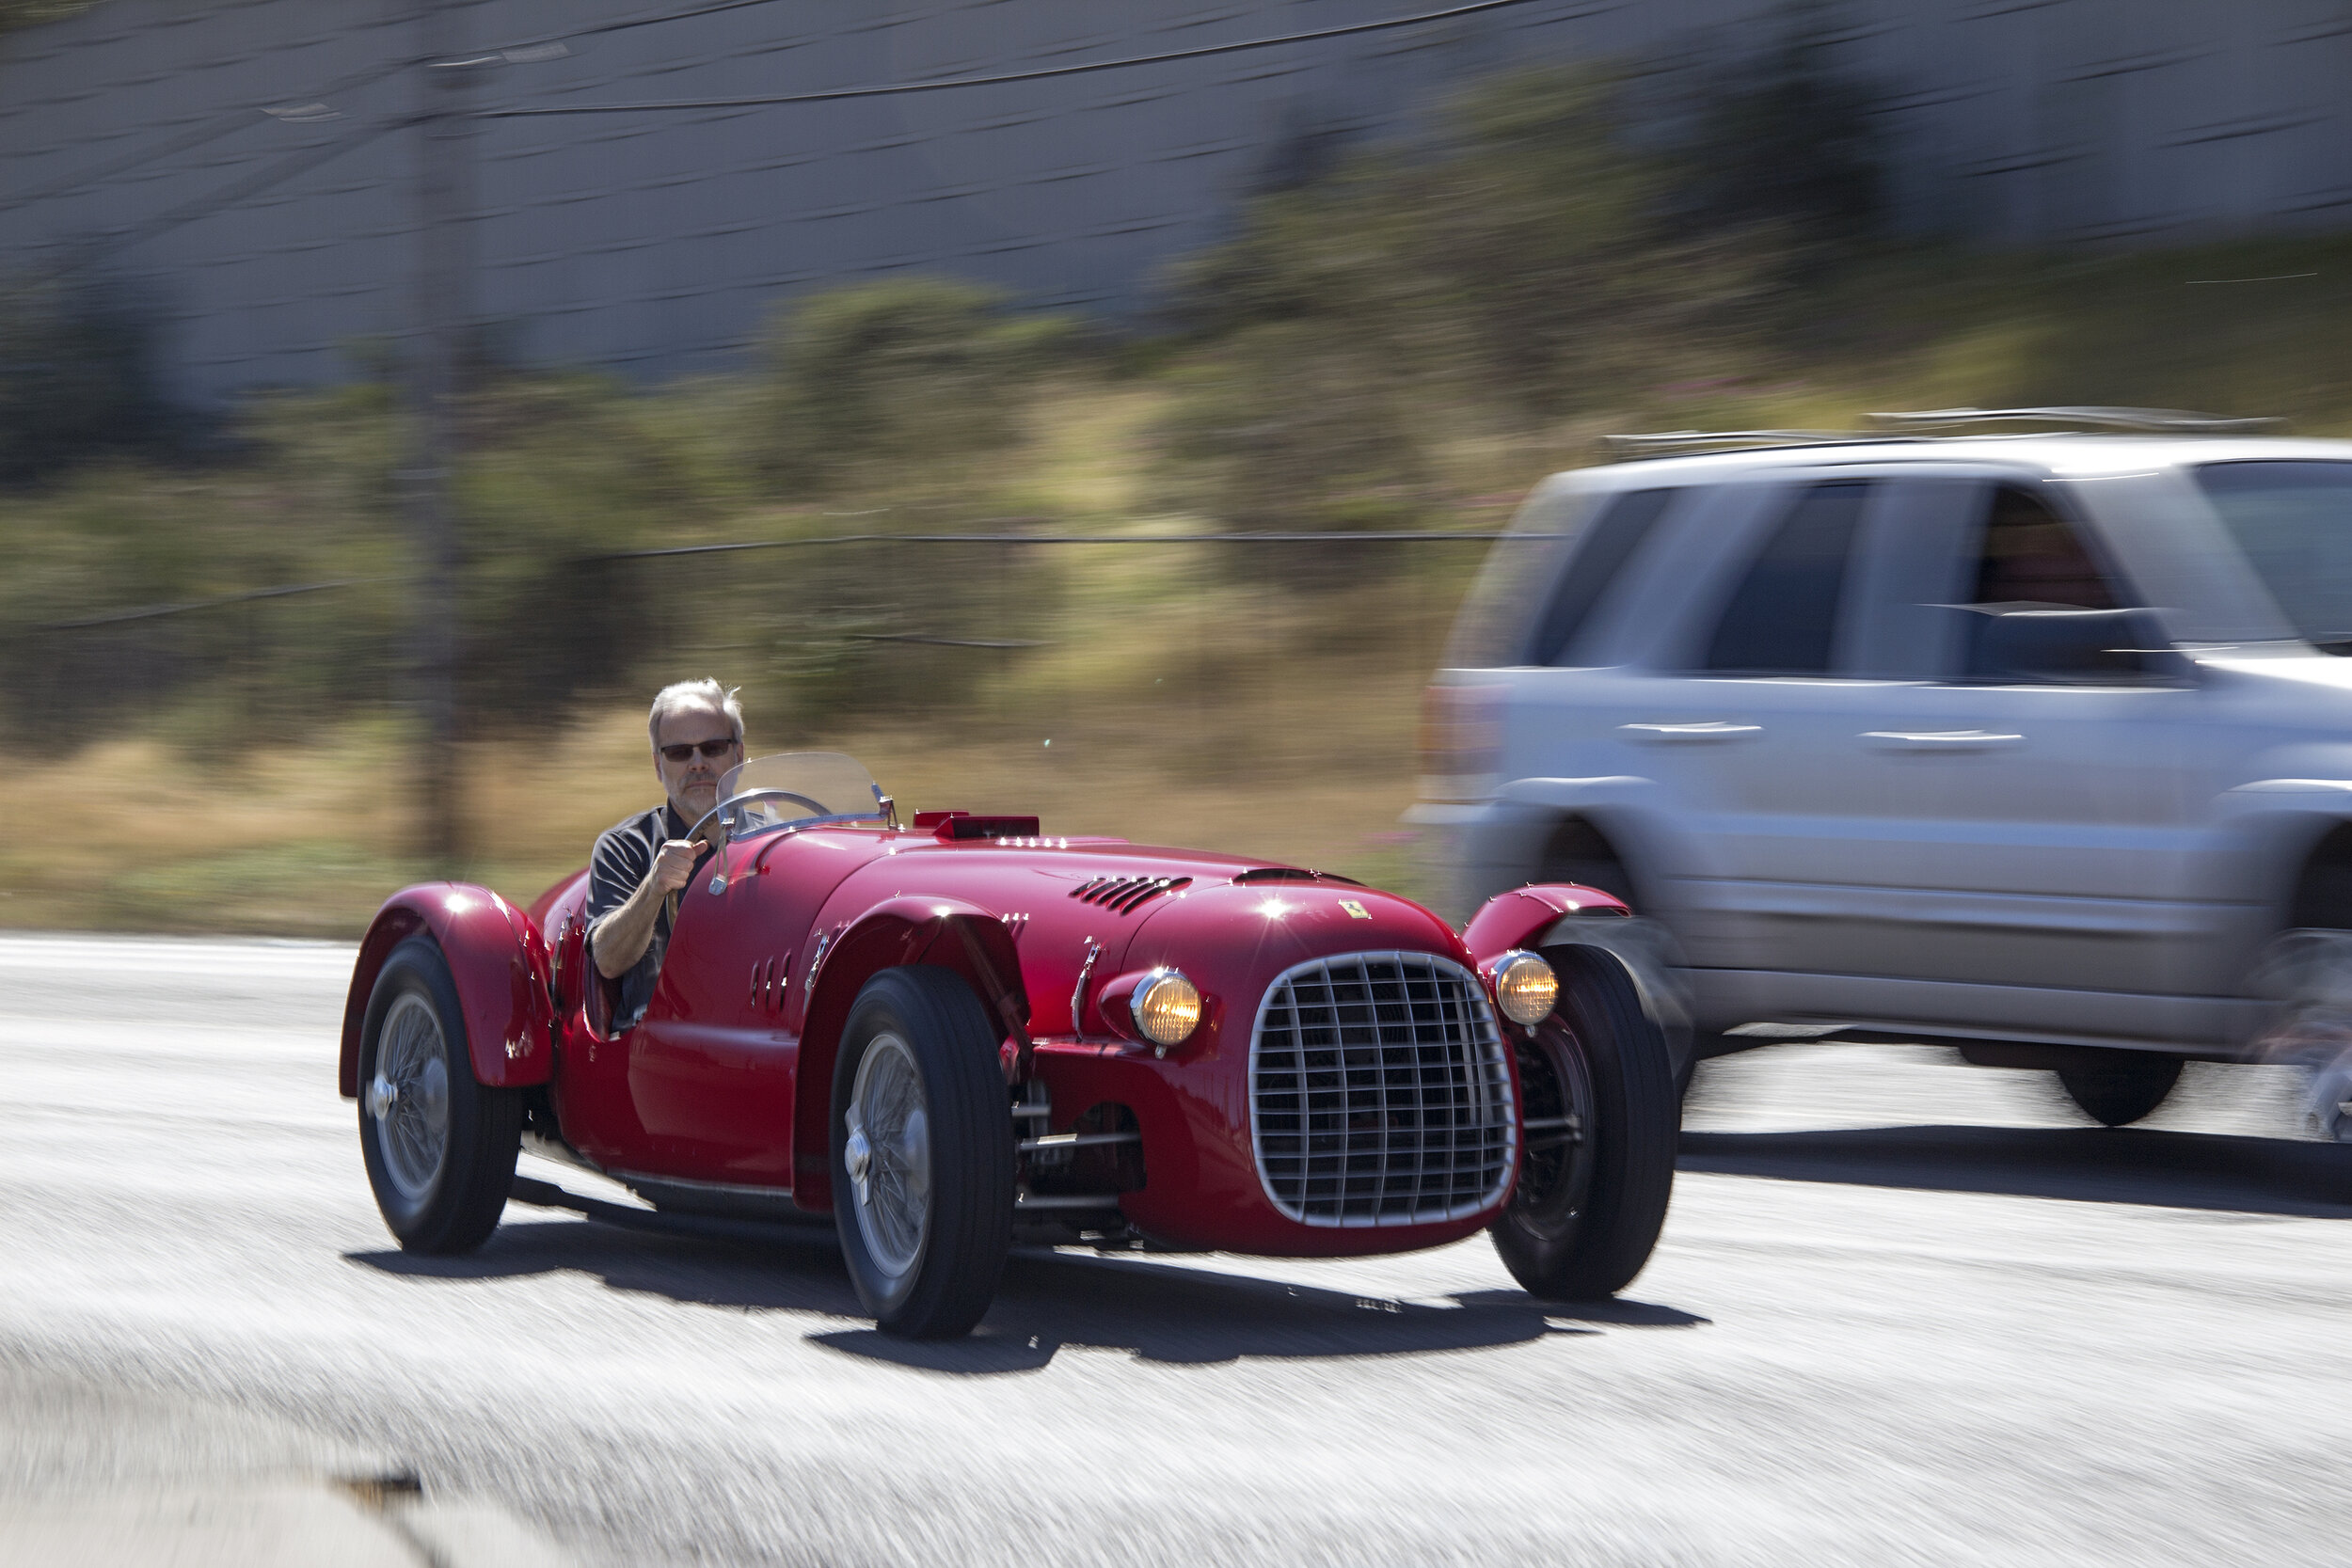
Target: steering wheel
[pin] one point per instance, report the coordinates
(815, 809)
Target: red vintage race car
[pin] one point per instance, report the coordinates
(959, 1034)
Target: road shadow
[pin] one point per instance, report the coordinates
(1162, 1309)
(1156, 1308)
(1618, 1312)
(782, 1274)
(2220, 1172)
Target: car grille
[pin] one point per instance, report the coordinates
(1379, 1093)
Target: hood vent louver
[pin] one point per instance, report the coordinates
(1123, 894)
(1290, 874)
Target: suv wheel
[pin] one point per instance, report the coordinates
(2305, 973)
(2120, 1092)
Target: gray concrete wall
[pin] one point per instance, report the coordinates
(656, 244)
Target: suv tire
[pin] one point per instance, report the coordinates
(2119, 1092)
(1588, 1209)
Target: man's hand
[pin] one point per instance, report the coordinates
(672, 865)
(621, 937)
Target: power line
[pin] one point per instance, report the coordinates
(310, 158)
(927, 641)
(1424, 537)
(156, 612)
(506, 51)
(889, 90)
(251, 185)
(237, 119)
(196, 138)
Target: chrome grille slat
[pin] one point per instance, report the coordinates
(1379, 1092)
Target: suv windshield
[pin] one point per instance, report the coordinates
(2293, 522)
(801, 787)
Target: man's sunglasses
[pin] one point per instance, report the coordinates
(711, 749)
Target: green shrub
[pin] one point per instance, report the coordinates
(896, 372)
(1285, 430)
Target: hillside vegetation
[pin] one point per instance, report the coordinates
(1404, 345)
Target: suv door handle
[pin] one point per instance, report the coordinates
(1942, 740)
(1716, 730)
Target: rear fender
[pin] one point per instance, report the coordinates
(1516, 918)
(901, 930)
(499, 963)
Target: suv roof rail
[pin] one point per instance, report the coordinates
(1918, 424)
(2164, 422)
(1659, 443)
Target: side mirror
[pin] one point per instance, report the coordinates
(2070, 647)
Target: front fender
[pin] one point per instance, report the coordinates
(1515, 918)
(2266, 810)
(946, 932)
(2268, 827)
(499, 963)
(2263, 797)
(1560, 914)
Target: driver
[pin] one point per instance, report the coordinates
(641, 865)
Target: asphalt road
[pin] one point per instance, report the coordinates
(1905, 1311)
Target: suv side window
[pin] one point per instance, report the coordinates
(1600, 559)
(1782, 619)
(2028, 555)
(2041, 609)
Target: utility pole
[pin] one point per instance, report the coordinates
(436, 367)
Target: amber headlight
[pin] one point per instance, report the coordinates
(1525, 987)
(1167, 1007)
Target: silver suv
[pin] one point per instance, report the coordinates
(2040, 744)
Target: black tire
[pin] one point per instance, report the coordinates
(933, 1281)
(1586, 1212)
(448, 1203)
(2119, 1092)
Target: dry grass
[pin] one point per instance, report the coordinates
(308, 845)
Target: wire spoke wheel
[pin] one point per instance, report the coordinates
(438, 1145)
(922, 1152)
(1556, 1160)
(409, 1097)
(890, 1155)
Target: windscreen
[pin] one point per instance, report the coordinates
(2293, 522)
(799, 786)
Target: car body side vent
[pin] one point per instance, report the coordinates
(1123, 894)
